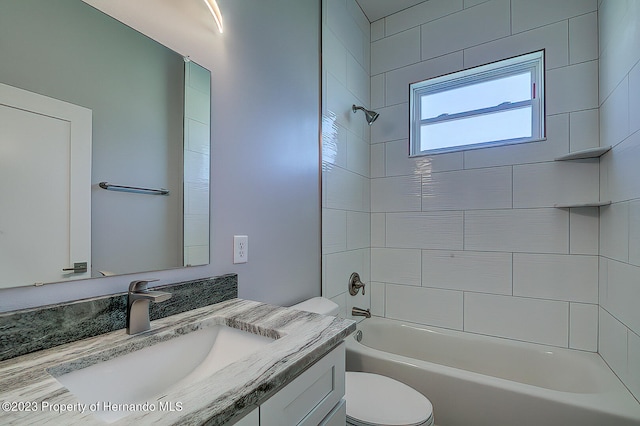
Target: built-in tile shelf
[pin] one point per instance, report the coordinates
(585, 153)
(595, 204)
(581, 155)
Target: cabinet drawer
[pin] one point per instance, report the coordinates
(310, 396)
(337, 416)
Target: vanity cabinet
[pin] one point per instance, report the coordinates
(313, 398)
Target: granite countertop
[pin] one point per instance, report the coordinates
(228, 394)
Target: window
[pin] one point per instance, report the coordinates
(496, 104)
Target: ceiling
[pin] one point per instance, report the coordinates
(377, 9)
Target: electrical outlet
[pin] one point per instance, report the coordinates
(240, 249)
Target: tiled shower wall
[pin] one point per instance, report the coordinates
(471, 240)
(345, 151)
(619, 342)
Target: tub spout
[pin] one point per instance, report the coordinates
(359, 312)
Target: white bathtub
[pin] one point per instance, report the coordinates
(475, 380)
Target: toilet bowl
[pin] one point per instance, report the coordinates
(373, 399)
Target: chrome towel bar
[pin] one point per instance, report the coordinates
(151, 191)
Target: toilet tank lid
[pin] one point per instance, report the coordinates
(318, 305)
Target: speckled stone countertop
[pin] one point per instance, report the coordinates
(226, 395)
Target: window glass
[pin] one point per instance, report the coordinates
(495, 104)
(480, 95)
(512, 124)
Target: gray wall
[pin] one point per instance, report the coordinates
(265, 157)
(265, 152)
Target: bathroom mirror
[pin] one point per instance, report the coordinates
(149, 116)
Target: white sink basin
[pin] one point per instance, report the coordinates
(145, 374)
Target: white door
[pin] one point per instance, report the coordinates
(45, 188)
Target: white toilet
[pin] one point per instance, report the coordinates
(373, 399)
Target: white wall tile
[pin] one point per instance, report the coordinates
(527, 14)
(572, 88)
(558, 182)
(398, 266)
(623, 293)
(392, 124)
(584, 129)
(358, 230)
(441, 308)
(620, 50)
(603, 279)
(611, 15)
(614, 231)
(633, 364)
(377, 298)
(358, 160)
(346, 29)
(396, 194)
(612, 342)
(196, 230)
(421, 13)
(377, 91)
(197, 255)
(378, 229)
(634, 232)
(341, 301)
(334, 231)
(339, 267)
(471, 3)
(197, 198)
(583, 327)
(556, 144)
(572, 278)
(614, 115)
(634, 99)
(398, 162)
(377, 160)
(358, 81)
(339, 101)
(470, 27)
(583, 38)
(619, 171)
(531, 320)
(519, 230)
(553, 38)
(346, 190)
(398, 80)
(334, 56)
(488, 188)
(584, 225)
(396, 51)
(359, 17)
(334, 142)
(467, 270)
(377, 30)
(425, 230)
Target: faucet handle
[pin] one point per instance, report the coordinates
(140, 285)
(355, 284)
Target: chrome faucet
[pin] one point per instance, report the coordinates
(359, 312)
(138, 305)
(355, 284)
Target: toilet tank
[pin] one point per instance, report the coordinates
(318, 305)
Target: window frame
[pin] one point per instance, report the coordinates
(532, 62)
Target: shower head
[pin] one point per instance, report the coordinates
(371, 116)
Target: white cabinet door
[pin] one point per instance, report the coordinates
(311, 396)
(45, 188)
(251, 419)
